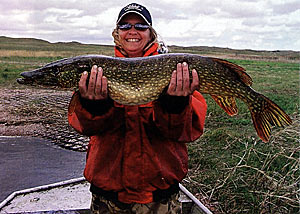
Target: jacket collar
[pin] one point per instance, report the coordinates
(149, 52)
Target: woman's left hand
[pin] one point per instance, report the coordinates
(180, 84)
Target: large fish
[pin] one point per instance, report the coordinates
(133, 81)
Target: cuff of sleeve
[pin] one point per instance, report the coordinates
(96, 107)
(174, 104)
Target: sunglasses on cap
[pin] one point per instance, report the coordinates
(137, 26)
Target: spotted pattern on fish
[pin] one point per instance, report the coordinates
(134, 81)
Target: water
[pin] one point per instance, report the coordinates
(26, 162)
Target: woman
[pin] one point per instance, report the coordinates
(137, 154)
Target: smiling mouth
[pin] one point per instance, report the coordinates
(132, 40)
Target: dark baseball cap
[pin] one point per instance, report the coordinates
(138, 9)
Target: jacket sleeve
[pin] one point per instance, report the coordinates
(186, 125)
(90, 117)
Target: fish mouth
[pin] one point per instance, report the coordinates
(30, 77)
(24, 81)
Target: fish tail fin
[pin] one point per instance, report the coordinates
(227, 103)
(265, 114)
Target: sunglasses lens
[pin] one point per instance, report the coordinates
(125, 26)
(138, 26)
(141, 26)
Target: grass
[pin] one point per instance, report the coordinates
(231, 170)
(243, 175)
(234, 170)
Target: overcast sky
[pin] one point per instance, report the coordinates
(238, 24)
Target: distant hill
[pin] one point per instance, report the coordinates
(4, 39)
(235, 53)
(32, 44)
(38, 44)
(38, 47)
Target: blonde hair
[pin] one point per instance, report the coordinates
(116, 37)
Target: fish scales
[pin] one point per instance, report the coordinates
(134, 81)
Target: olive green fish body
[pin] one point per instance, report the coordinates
(134, 81)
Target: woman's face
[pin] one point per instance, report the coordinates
(133, 41)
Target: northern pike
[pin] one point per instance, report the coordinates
(134, 81)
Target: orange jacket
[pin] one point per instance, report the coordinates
(135, 150)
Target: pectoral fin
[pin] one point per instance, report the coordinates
(228, 104)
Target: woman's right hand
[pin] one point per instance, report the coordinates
(96, 89)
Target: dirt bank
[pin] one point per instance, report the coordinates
(39, 112)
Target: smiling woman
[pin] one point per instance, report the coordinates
(133, 39)
(137, 154)
(141, 34)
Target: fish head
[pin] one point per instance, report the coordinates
(41, 77)
(51, 76)
(31, 77)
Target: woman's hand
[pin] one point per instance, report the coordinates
(180, 84)
(96, 89)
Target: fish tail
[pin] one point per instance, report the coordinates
(266, 113)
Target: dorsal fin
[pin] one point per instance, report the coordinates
(240, 71)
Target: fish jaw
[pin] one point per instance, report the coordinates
(30, 77)
(25, 81)
(39, 77)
